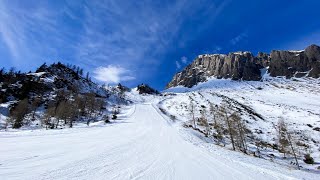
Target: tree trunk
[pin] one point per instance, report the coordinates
(294, 154)
(230, 131)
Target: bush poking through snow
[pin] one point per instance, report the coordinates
(173, 117)
(308, 159)
(106, 119)
(114, 116)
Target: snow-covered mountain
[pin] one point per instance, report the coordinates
(243, 102)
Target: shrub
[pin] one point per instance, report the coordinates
(173, 118)
(114, 116)
(106, 119)
(308, 159)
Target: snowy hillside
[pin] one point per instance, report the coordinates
(261, 105)
(55, 96)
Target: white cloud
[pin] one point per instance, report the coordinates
(184, 60)
(178, 65)
(112, 74)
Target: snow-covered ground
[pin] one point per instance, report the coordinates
(297, 101)
(144, 143)
(141, 144)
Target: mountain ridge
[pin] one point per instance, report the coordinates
(243, 65)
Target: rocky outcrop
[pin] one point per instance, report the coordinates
(296, 63)
(45, 81)
(244, 66)
(146, 89)
(238, 65)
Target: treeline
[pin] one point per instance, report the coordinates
(10, 76)
(64, 109)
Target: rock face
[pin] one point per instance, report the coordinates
(238, 65)
(245, 66)
(296, 63)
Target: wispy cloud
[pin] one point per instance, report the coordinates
(31, 31)
(99, 33)
(239, 38)
(112, 74)
(112, 33)
(120, 31)
(178, 65)
(184, 60)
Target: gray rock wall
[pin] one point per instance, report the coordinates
(244, 66)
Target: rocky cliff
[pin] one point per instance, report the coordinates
(245, 66)
(296, 63)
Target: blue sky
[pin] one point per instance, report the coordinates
(148, 41)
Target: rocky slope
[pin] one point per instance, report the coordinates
(45, 80)
(246, 66)
(52, 93)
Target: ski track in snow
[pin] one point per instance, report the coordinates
(141, 145)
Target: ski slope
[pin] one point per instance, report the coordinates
(140, 145)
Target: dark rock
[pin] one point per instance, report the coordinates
(309, 125)
(146, 89)
(317, 129)
(237, 66)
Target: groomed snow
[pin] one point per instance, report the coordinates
(142, 144)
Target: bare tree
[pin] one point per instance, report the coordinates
(285, 139)
(61, 113)
(239, 131)
(213, 112)
(34, 106)
(90, 106)
(293, 149)
(192, 113)
(282, 137)
(50, 112)
(204, 118)
(224, 114)
(218, 119)
(18, 113)
(100, 105)
(80, 102)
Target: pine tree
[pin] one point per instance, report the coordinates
(87, 76)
